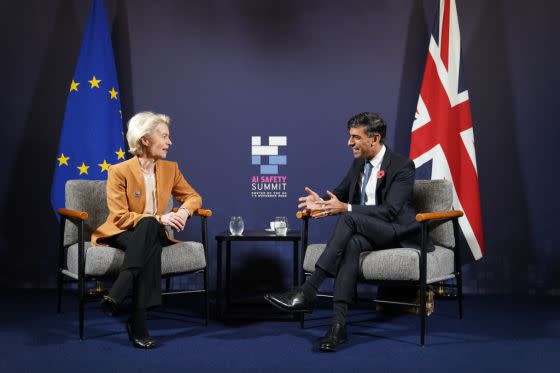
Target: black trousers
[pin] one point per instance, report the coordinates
(353, 234)
(142, 246)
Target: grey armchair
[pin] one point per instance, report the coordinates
(86, 209)
(410, 266)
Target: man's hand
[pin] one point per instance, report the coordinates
(310, 202)
(175, 220)
(332, 206)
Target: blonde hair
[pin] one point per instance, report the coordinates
(140, 125)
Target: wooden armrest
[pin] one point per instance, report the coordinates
(199, 212)
(203, 212)
(74, 214)
(425, 216)
(303, 214)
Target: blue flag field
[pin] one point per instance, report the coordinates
(92, 132)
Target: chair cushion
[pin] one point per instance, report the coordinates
(403, 264)
(181, 257)
(312, 254)
(393, 264)
(106, 261)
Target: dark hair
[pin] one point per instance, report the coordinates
(372, 122)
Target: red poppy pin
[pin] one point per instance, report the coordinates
(380, 174)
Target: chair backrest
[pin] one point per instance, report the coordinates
(432, 196)
(89, 196)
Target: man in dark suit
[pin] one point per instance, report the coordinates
(375, 211)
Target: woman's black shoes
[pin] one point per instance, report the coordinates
(109, 306)
(139, 342)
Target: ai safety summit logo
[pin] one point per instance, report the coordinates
(268, 184)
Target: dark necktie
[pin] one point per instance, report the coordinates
(367, 172)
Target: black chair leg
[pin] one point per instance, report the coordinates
(460, 295)
(302, 315)
(167, 289)
(81, 276)
(82, 320)
(458, 268)
(81, 316)
(423, 281)
(59, 285)
(59, 278)
(206, 300)
(422, 313)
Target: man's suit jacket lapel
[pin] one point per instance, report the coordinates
(381, 182)
(358, 166)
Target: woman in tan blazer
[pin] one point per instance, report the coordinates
(137, 194)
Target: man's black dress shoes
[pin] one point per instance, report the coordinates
(109, 306)
(336, 335)
(291, 301)
(140, 342)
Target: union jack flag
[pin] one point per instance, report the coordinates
(442, 131)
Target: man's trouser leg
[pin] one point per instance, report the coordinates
(379, 234)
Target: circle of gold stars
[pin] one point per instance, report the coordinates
(95, 83)
(104, 167)
(84, 168)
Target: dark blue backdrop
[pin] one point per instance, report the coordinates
(228, 70)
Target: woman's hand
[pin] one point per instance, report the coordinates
(184, 213)
(175, 220)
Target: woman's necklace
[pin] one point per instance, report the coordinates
(150, 170)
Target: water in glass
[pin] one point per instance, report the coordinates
(236, 225)
(281, 225)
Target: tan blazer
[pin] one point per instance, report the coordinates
(126, 197)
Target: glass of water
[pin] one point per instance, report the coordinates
(236, 225)
(281, 225)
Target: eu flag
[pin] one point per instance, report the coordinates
(91, 138)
